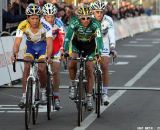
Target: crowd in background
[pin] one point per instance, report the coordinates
(16, 11)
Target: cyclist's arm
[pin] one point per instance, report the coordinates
(98, 39)
(18, 39)
(16, 45)
(69, 36)
(49, 41)
(111, 32)
(61, 33)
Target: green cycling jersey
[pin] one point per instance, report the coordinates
(78, 31)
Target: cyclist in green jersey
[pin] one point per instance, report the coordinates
(83, 34)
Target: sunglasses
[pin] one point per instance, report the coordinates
(99, 12)
(85, 18)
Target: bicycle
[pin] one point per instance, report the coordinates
(97, 92)
(80, 88)
(32, 91)
(49, 90)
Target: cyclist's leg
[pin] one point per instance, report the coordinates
(72, 74)
(56, 80)
(90, 83)
(40, 48)
(105, 71)
(28, 55)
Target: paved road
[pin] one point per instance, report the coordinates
(138, 66)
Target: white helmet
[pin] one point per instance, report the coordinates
(33, 9)
(49, 9)
(98, 5)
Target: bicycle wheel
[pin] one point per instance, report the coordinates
(49, 96)
(36, 104)
(99, 95)
(79, 103)
(28, 106)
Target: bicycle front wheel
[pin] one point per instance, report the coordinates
(99, 93)
(49, 96)
(36, 103)
(28, 106)
(79, 103)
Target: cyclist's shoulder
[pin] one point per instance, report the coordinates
(107, 18)
(95, 23)
(74, 23)
(45, 24)
(23, 25)
(59, 22)
(74, 20)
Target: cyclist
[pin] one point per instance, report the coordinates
(84, 33)
(38, 40)
(49, 11)
(108, 34)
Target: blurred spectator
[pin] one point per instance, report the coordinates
(10, 18)
(18, 7)
(68, 15)
(148, 11)
(122, 13)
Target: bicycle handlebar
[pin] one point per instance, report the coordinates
(27, 61)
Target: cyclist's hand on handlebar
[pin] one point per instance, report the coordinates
(14, 57)
(113, 53)
(98, 58)
(49, 60)
(65, 54)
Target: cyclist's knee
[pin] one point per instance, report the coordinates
(72, 65)
(42, 69)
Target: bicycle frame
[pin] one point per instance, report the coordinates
(98, 87)
(33, 74)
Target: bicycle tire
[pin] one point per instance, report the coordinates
(49, 96)
(36, 107)
(79, 103)
(99, 93)
(28, 106)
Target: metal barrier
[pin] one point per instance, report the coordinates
(6, 33)
(123, 29)
(6, 41)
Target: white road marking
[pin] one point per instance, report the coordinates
(127, 56)
(90, 119)
(133, 41)
(16, 109)
(138, 45)
(155, 42)
(121, 63)
(148, 39)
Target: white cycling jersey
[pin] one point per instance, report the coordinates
(108, 33)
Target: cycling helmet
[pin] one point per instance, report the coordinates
(49, 9)
(33, 9)
(98, 5)
(84, 10)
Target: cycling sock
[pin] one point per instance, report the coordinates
(43, 90)
(24, 95)
(73, 83)
(105, 90)
(89, 94)
(56, 94)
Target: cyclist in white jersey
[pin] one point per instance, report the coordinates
(38, 40)
(49, 12)
(109, 42)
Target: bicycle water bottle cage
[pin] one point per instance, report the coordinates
(81, 54)
(36, 55)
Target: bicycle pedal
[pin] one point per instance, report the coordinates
(85, 81)
(76, 80)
